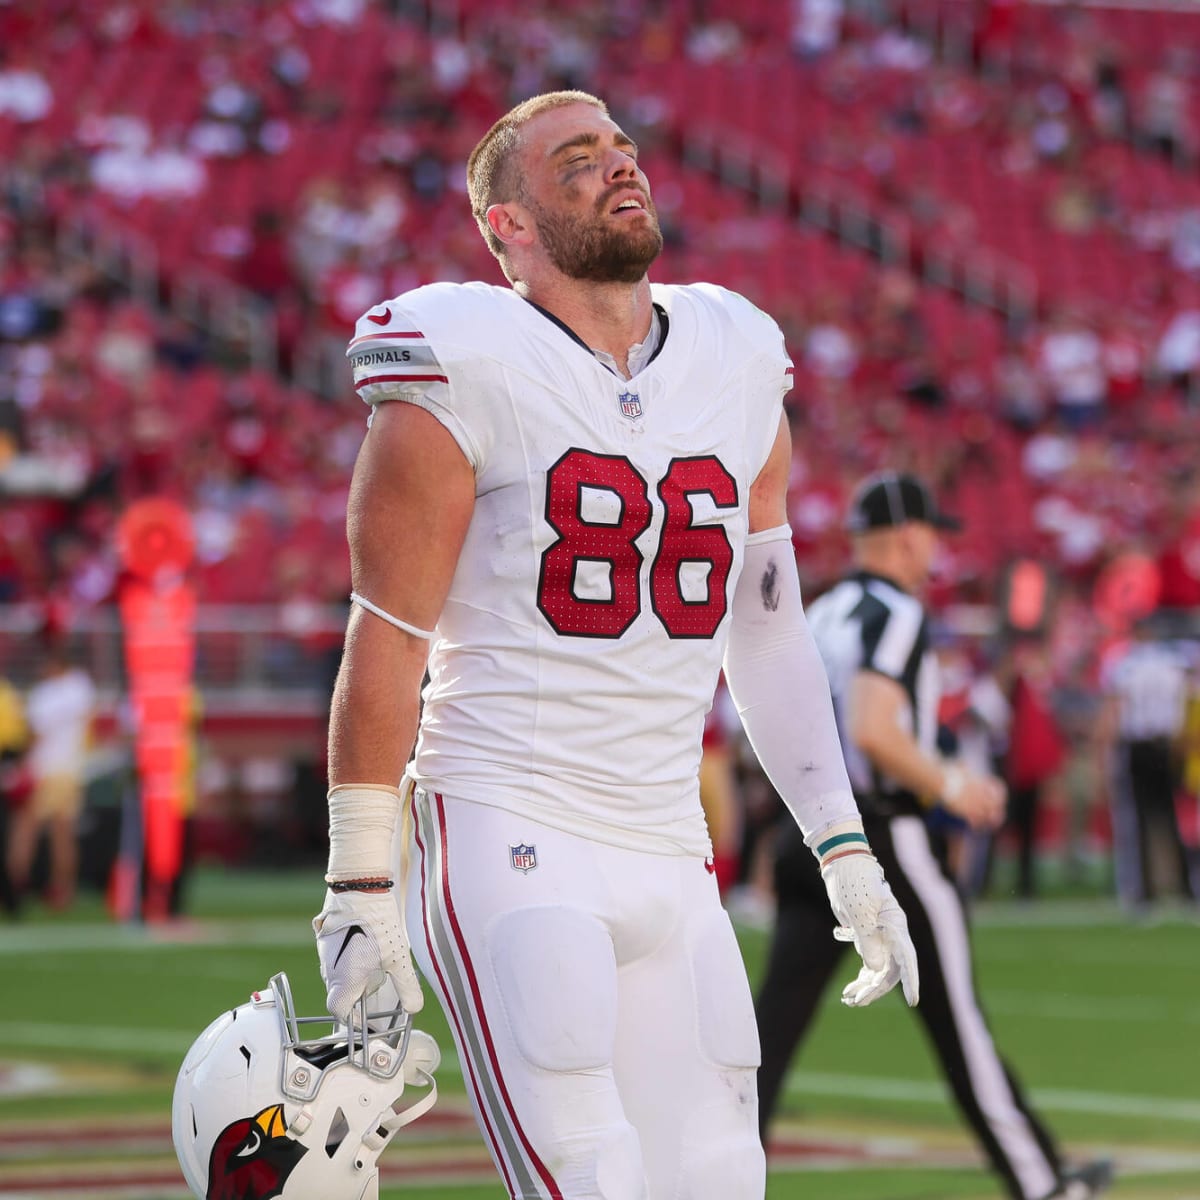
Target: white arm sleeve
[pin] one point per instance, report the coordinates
(778, 683)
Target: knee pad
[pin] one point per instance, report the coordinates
(558, 977)
(730, 1165)
(606, 1166)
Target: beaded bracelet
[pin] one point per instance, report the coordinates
(362, 885)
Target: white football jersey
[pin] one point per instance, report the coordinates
(582, 638)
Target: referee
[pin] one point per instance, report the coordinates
(872, 632)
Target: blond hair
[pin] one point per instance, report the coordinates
(492, 177)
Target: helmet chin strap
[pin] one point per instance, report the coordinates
(371, 1191)
(382, 1133)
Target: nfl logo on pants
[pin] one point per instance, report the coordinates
(523, 858)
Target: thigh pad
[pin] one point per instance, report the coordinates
(557, 979)
(726, 1027)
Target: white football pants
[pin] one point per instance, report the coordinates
(599, 1003)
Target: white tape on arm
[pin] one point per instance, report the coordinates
(384, 615)
(362, 818)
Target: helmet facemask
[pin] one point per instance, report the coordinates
(269, 1103)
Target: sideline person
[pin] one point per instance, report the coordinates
(1142, 727)
(873, 635)
(60, 708)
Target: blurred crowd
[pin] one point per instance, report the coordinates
(309, 153)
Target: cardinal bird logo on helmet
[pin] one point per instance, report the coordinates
(252, 1158)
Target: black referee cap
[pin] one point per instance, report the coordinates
(894, 498)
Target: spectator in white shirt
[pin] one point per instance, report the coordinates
(1072, 364)
(59, 709)
(24, 93)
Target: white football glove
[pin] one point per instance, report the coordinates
(869, 916)
(362, 944)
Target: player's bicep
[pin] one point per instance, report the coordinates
(768, 492)
(411, 500)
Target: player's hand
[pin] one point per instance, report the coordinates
(869, 916)
(981, 800)
(361, 944)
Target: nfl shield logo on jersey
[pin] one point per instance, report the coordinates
(631, 405)
(524, 858)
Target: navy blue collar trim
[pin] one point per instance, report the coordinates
(664, 325)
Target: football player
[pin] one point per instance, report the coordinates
(570, 509)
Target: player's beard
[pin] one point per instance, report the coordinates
(592, 249)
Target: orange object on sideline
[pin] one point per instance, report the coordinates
(158, 613)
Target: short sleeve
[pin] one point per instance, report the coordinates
(893, 638)
(765, 366)
(392, 358)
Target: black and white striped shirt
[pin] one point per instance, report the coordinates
(1150, 683)
(868, 623)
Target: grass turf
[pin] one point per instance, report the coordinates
(1098, 1017)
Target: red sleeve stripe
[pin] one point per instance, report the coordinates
(374, 337)
(358, 387)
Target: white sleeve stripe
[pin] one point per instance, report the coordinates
(400, 379)
(373, 337)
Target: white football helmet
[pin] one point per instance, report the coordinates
(262, 1111)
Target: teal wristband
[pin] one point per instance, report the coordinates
(853, 840)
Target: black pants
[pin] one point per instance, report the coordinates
(803, 957)
(1152, 779)
(1022, 817)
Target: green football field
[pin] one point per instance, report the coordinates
(1101, 1018)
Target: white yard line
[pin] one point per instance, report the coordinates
(78, 936)
(200, 935)
(915, 1091)
(16, 1035)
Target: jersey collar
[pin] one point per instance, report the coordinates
(664, 324)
